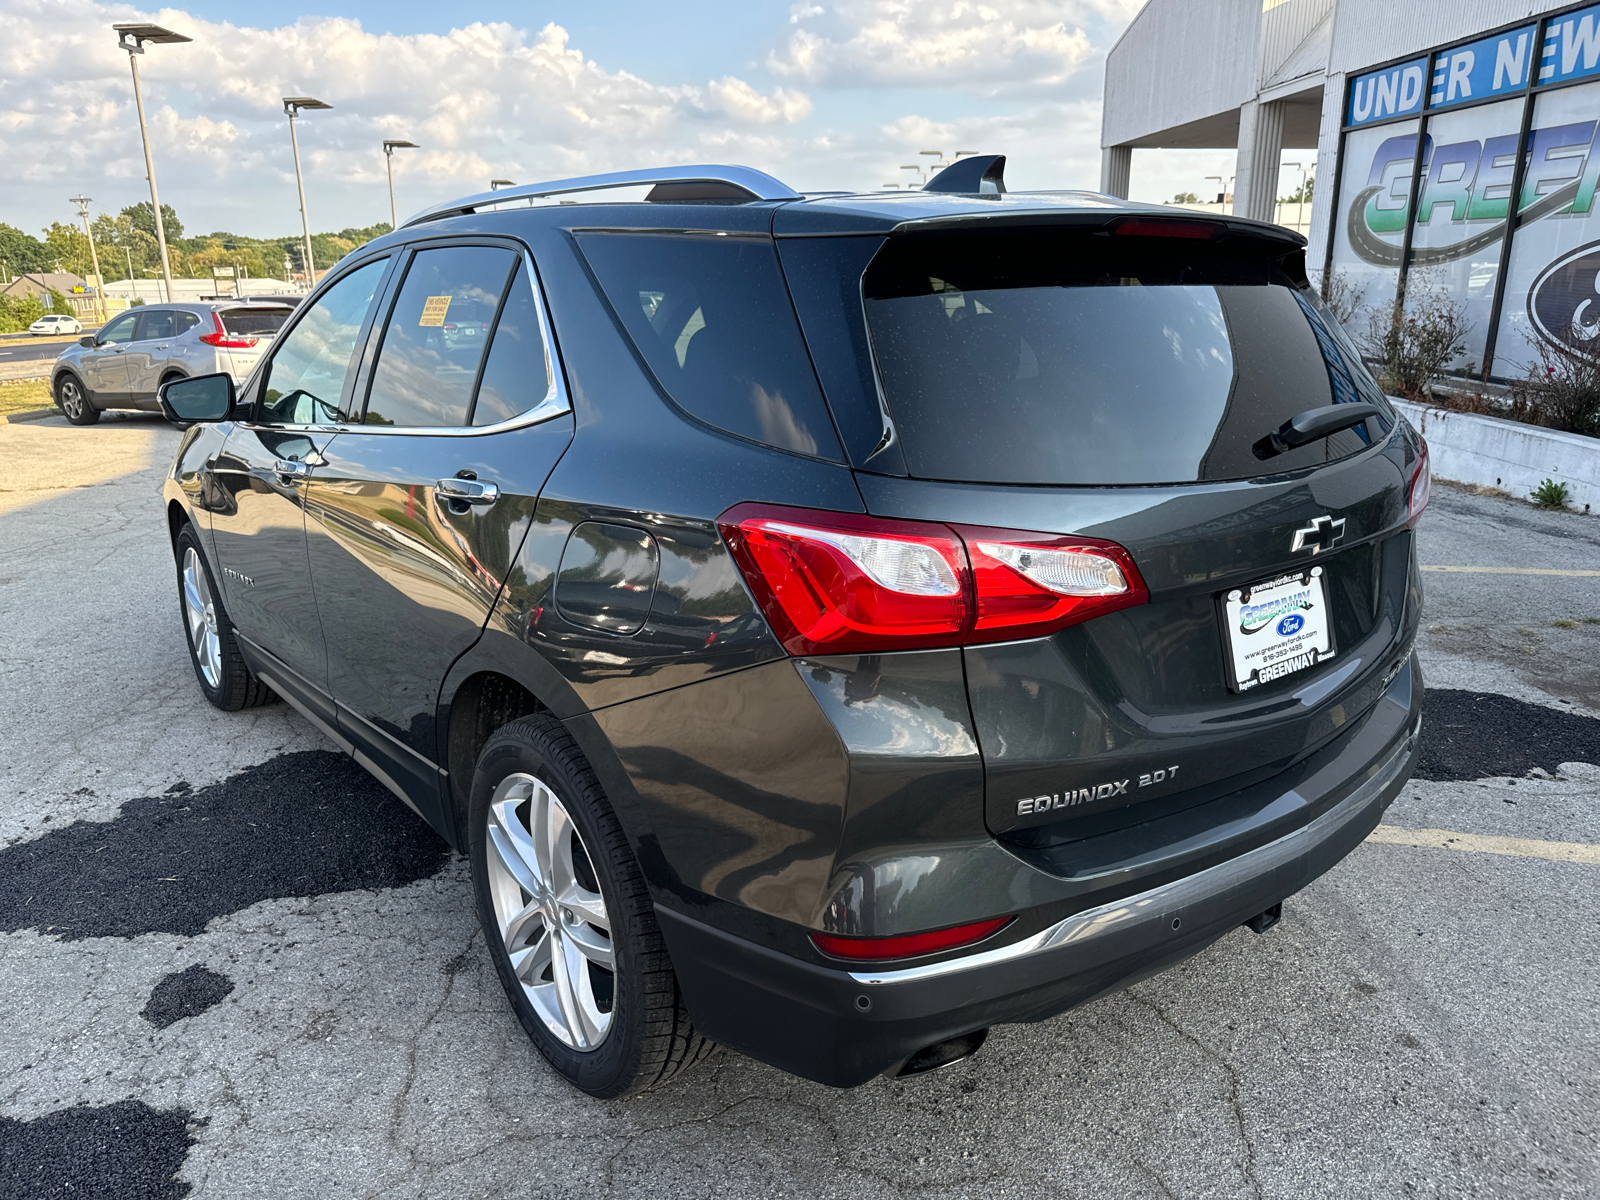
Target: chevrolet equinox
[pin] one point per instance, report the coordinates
(831, 624)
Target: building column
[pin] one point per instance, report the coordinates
(1116, 168)
(1255, 183)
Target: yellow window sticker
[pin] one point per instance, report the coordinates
(434, 309)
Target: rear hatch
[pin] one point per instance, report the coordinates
(1114, 381)
(245, 335)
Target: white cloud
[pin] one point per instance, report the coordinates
(994, 46)
(484, 100)
(493, 101)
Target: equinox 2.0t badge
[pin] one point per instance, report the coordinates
(1324, 533)
(1103, 791)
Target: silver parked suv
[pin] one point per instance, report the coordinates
(134, 354)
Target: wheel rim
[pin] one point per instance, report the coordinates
(71, 399)
(552, 921)
(200, 615)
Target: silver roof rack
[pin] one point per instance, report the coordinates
(758, 184)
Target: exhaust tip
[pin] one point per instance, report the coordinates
(942, 1054)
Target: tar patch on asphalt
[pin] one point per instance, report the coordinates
(184, 994)
(1480, 735)
(123, 1151)
(302, 824)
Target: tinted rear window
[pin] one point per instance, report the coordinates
(711, 315)
(1095, 359)
(256, 322)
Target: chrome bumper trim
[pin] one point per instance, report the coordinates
(1111, 919)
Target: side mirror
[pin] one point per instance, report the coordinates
(202, 398)
(88, 341)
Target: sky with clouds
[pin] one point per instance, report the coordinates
(822, 94)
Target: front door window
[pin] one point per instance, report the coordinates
(307, 374)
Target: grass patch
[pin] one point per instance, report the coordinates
(1563, 623)
(1590, 620)
(20, 397)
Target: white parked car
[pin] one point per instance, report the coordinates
(55, 323)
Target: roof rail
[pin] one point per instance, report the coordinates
(757, 185)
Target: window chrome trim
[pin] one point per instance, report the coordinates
(554, 404)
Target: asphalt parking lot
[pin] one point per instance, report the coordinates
(232, 966)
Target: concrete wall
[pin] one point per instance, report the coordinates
(1507, 454)
(1178, 61)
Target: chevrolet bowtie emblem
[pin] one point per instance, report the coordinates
(1324, 533)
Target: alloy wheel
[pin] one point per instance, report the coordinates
(200, 614)
(71, 399)
(552, 917)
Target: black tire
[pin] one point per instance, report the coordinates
(75, 401)
(650, 1038)
(233, 687)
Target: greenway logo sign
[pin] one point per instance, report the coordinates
(1471, 179)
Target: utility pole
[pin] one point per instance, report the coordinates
(94, 255)
(132, 38)
(292, 105)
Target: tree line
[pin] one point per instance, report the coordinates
(128, 240)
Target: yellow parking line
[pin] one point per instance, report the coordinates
(1445, 839)
(1514, 571)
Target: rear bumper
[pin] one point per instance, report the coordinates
(843, 1026)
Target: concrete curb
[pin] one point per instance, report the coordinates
(1493, 452)
(28, 414)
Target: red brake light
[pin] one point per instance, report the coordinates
(1420, 486)
(1160, 227)
(832, 583)
(224, 339)
(907, 945)
(837, 583)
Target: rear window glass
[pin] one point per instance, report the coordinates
(1092, 359)
(257, 322)
(711, 315)
(437, 332)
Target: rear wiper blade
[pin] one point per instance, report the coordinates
(1313, 424)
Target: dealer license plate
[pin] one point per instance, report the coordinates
(1276, 628)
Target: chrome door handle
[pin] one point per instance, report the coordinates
(468, 491)
(289, 469)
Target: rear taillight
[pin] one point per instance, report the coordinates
(839, 583)
(1420, 485)
(909, 945)
(1028, 583)
(224, 339)
(1163, 227)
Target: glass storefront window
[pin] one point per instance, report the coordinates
(1468, 159)
(1369, 228)
(1552, 291)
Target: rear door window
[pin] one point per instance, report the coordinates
(159, 323)
(436, 336)
(711, 315)
(517, 375)
(1083, 359)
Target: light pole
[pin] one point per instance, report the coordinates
(94, 255)
(292, 105)
(132, 38)
(496, 184)
(390, 145)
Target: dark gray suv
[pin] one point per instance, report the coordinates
(831, 625)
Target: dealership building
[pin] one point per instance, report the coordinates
(1427, 119)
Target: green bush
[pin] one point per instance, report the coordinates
(18, 312)
(1550, 494)
(60, 304)
(1415, 340)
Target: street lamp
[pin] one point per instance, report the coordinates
(292, 105)
(496, 184)
(132, 38)
(390, 145)
(94, 255)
